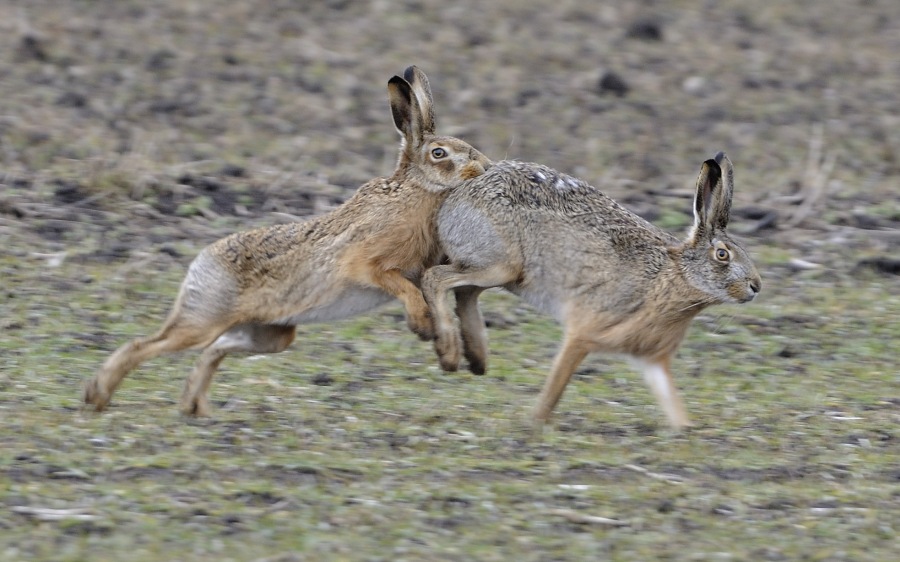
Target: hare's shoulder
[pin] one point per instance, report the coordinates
(380, 189)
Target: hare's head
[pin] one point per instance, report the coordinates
(712, 261)
(436, 162)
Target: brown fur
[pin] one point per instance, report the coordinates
(246, 292)
(617, 283)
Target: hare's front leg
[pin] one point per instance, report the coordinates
(244, 338)
(418, 316)
(471, 325)
(436, 285)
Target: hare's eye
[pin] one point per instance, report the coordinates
(722, 254)
(438, 152)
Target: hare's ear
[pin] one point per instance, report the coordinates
(422, 91)
(722, 203)
(712, 200)
(406, 112)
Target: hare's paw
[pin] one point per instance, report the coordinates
(195, 406)
(421, 324)
(477, 361)
(93, 395)
(475, 350)
(448, 348)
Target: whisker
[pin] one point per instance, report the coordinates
(700, 303)
(724, 320)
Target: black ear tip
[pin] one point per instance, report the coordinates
(719, 157)
(410, 73)
(401, 85)
(713, 172)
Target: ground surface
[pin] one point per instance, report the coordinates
(133, 133)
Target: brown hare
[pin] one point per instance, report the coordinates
(616, 282)
(246, 292)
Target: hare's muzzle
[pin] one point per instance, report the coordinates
(474, 169)
(744, 290)
(755, 285)
(750, 290)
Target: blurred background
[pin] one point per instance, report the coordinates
(214, 108)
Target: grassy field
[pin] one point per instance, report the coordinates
(131, 135)
(354, 446)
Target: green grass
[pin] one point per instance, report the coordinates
(792, 458)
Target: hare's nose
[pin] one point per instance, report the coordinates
(755, 285)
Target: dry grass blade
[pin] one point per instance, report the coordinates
(47, 514)
(584, 519)
(818, 170)
(671, 478)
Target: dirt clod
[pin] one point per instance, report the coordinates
(613, 83)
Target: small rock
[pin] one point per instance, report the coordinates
(72, 99)
(323, 379)
(787, 352)
(613, 83)
(645, 30)
(233, 170)
(527, 95)
(205, 183)
(160, 60)
(694, 85)
(32, 47)
(67, 192)
(881, 264)
(666, 506)
(170, 250)
(751, 212)
(863, 221)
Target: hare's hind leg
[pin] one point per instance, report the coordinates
(175, 335)
(436, 284)
(658, 374)
(571, 355)
(243, 338)
(471, 325)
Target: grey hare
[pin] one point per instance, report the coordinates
(616, 282)
(248, 291)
